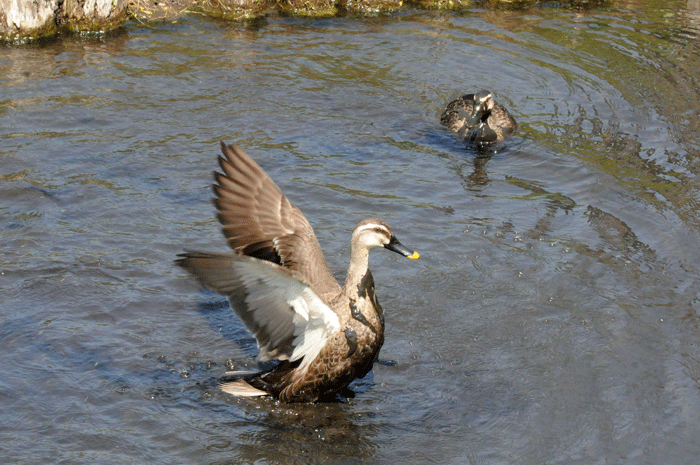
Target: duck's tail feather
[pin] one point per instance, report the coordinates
(241, 388)
(245, 374)
(257, 383)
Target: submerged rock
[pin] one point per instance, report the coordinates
(227, 9)
(92, 15)
(27, 19)
(372, 6)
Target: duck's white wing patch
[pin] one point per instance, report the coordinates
(285, 315)
(314, 322)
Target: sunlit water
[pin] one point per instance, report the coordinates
(551, 318)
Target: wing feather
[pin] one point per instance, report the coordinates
(258, 220)
(287, 318)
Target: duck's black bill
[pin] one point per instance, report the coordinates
(395, 246)
(475, 118)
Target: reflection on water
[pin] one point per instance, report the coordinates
(552, 317)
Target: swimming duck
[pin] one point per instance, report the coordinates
(280, 286)
(478, 118)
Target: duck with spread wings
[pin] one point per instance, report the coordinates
(280, 286)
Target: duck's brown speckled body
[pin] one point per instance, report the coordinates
(278, 283)
(478, 118)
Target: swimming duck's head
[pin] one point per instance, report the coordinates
(483, 103)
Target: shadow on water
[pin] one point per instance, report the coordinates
(470, 160)
(301, 433)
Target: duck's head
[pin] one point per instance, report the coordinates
(483, 103)
(373, 232)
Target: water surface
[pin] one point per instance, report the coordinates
(552, 318)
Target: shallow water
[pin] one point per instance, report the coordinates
(552, 318)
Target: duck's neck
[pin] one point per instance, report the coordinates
(357, 271)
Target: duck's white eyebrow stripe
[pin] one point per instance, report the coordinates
(372, 226)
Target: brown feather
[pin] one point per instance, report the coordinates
(259, 221)
(497, 118)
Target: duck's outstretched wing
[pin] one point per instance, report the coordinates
(288, 319)
(259, 221)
